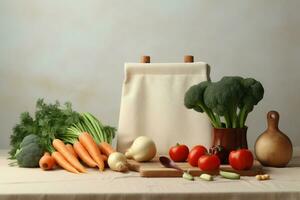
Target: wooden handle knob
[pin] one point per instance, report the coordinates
(188, 58)
(273, 119)
(145, 59)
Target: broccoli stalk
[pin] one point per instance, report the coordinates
(215, 119)
(243, 114)
(233, 117)
(227, 118)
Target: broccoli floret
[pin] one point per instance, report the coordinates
(29, 139)
(223, 98)
(30, 152)
(230, 99)
(194, 96)
(194, 100)
(254, 92)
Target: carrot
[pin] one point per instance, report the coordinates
(104, 157)
(47, 162)
(59, 158)
(61, 148)
(90, 145)
(83, 154)
(71, 150)
(106, 148)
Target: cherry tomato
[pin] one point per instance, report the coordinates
(179, 153)
(241, 159)
(209, 162)
(195, 154)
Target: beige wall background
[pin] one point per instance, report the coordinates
(75, 50)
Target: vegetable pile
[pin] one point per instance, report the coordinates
(58, 135)
(226, 102)
(208, 161)
(49, 121)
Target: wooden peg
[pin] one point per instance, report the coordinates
(188, 59)
(145, 59)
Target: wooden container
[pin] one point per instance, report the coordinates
(230, 139)
(273, 148)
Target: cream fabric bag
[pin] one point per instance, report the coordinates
(152, 104)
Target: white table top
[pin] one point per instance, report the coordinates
(25, 183)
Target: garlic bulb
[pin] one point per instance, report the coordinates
(142, 149)
(117, 162)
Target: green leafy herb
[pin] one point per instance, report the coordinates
(49, 121)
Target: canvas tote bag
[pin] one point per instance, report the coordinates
(152, 104)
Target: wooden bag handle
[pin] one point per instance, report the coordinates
(145, 59)
(188, 59)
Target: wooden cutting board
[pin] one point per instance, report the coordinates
(155, 169)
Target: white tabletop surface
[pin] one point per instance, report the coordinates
(24, 183)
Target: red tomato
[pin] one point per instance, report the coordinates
(179, 153)
(209, 162)
(195, 154)
(241, 159)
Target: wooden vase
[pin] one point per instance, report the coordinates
(230, 139)
(273, 148)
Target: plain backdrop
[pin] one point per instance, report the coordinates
(75, 51)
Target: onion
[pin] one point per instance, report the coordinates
(142, 149)
(117, 162)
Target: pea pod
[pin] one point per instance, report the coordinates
(187, 176)
(206, 177)
(229, 175)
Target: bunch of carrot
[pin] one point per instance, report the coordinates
(68, 156)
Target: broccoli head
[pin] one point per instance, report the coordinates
(223, 97)
(253, 93)
(29, 139)
(30, 152)
(194, 100)
(230, 99)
